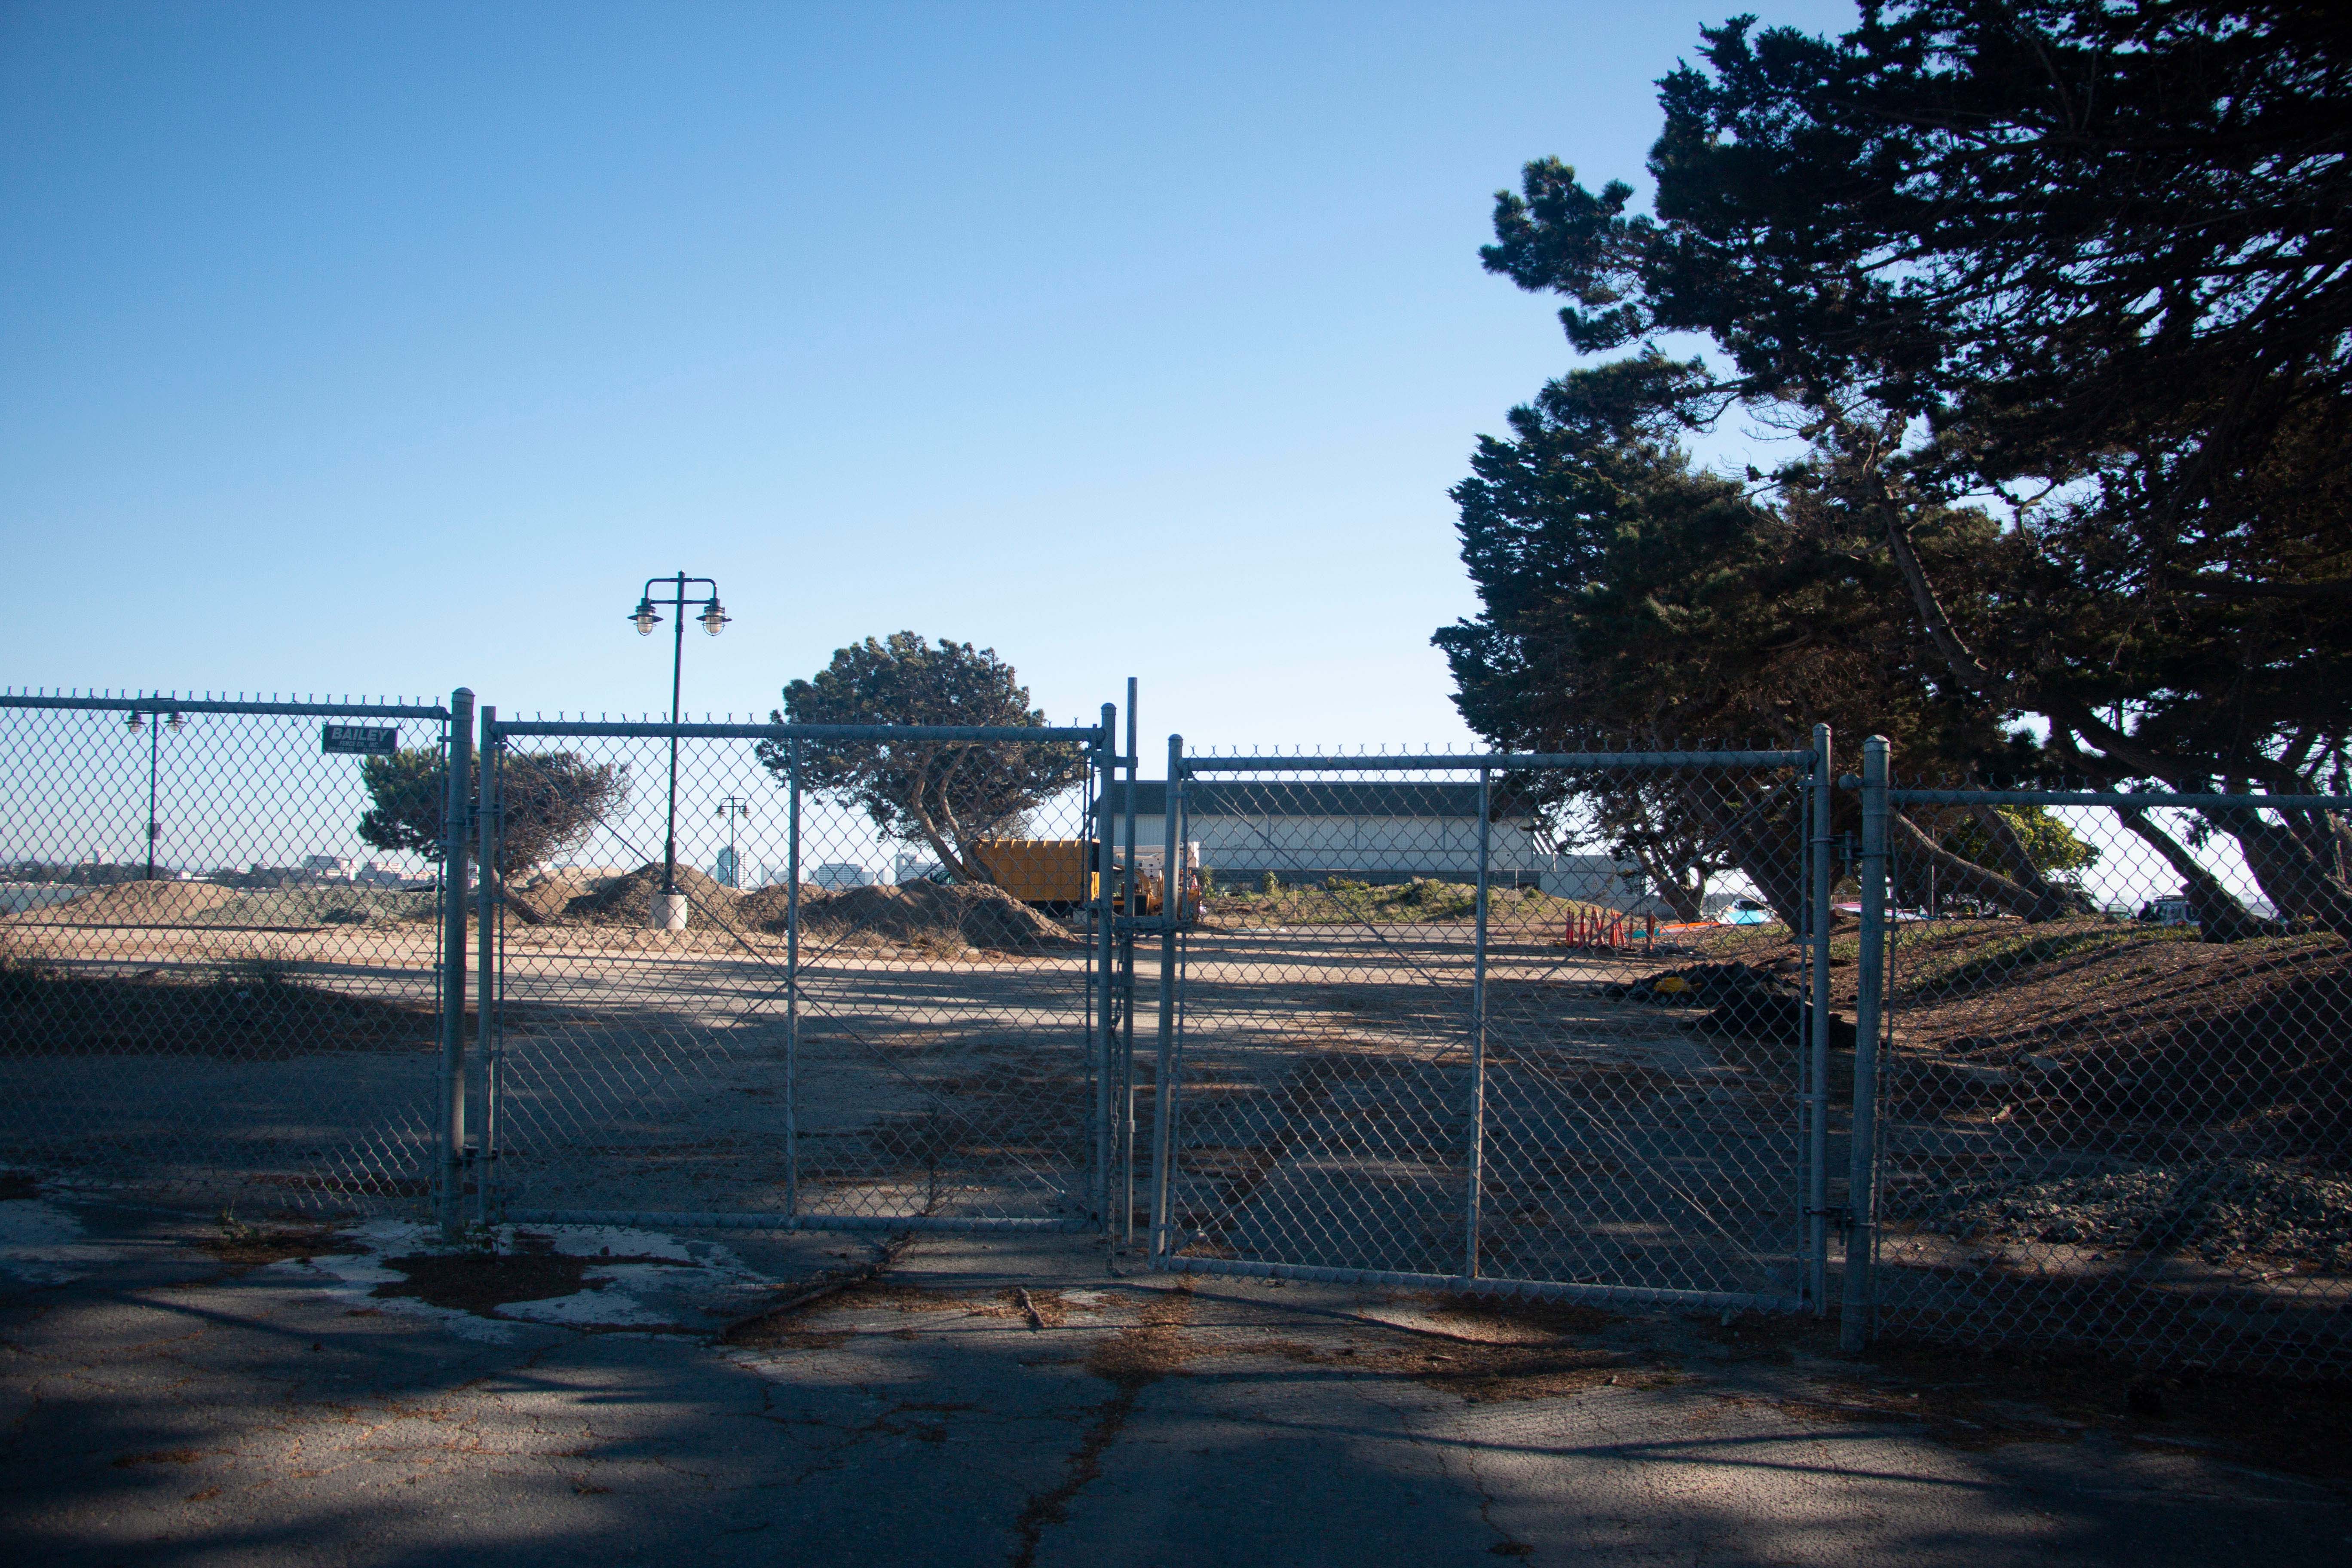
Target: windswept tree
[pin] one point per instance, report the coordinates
(946, 794)
(1632, 602)
(2054, 299)
(551, 802)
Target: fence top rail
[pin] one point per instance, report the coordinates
(1093, 735)
(229, 705)
(2139, 802)
(1498, 760)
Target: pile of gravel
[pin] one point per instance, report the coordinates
(2218, 1210)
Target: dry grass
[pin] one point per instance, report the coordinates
(1340, 900)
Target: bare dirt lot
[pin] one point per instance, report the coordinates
(1628, 1136)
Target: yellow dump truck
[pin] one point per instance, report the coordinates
(1038, 870)
(1059, 873)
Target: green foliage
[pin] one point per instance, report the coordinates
(408, 790)
(948, 794)
(550, 802)
(2054, 849)
(1632, 601)
(2088, 261)
(2095, 252)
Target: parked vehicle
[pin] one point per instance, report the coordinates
(1049, 872)
(1058, 875)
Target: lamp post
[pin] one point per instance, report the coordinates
(732, 807)
(132, 723)
(668, 913)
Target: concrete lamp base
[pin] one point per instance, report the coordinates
(668, 913)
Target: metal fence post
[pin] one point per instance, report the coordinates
(1477, 1140)
(489, 888)
(1106, 760)
(451, 1187)
(1127, 995)
(792, 978)
(1817, 1088)
(1855, 1311)
(1163, 1079)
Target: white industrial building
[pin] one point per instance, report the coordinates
(1372, 831)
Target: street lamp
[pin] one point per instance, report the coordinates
(134, 723)
(732, 807)
(669, 911)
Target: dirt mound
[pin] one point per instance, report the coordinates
(544, 897)
(134, 904)
(1742, 1001)
(628, 901)
(927, 914)
(2224, 1209)
(763, 909)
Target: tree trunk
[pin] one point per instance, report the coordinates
(519, 908)
(2220, 916)
(1957, 874)
(2292, 878)
(1689, 903)
(2019, 863)
(965, 868)
(1767, 855)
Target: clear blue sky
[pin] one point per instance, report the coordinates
(385, 348)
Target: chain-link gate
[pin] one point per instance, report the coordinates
(222, 947)
(1589, 1025)
(2114, 1099)
(1545, 1024)
(827, 977)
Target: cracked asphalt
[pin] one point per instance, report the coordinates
(173, 1394)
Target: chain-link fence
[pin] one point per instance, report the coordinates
(1529, 1022)
(2060, 1069)
(220, 946)
(2115, 1099)
(817, 976)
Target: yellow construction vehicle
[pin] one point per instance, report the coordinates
(1059, 873)
(1038, 870)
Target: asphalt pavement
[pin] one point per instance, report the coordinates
(179, 1390)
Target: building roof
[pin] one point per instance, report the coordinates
(1285, 797)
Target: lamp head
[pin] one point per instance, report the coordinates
(713, 617)
(644, 618)
(178, 722)
(134, 723)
